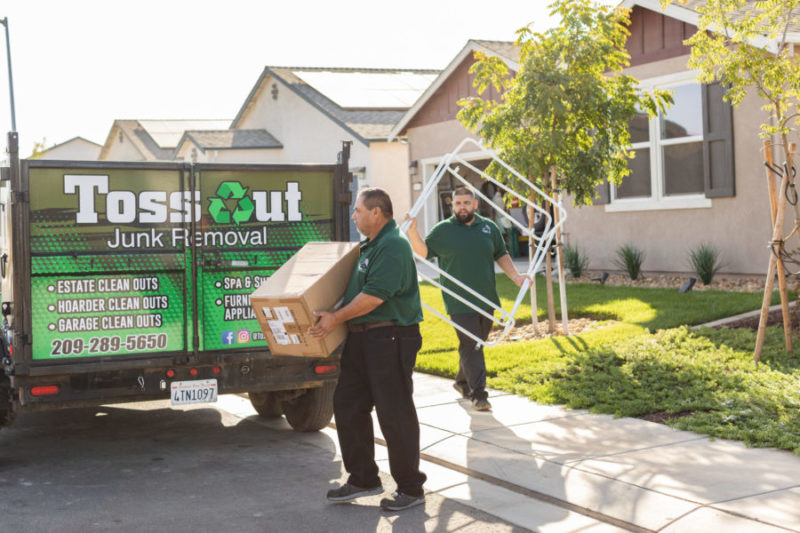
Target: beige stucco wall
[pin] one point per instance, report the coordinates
(123, 150)
(389, 168)
(74, 150)
(307, 135)
(738, 227)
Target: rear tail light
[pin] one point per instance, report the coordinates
(170, 373)
(325, 369)
(217, 370)
(44, 390)
(193, 372)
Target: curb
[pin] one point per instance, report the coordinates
(734, 318)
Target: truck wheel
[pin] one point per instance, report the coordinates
(313, 410)
(266, 403)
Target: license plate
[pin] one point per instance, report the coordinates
(197, 391)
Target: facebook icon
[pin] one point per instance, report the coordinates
(227, 337)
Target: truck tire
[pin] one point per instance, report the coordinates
(313, 410)
(266, 403)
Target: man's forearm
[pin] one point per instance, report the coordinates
(359, 306)
(417, 242)
(507, 266)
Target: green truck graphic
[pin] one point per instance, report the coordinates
(120, 275)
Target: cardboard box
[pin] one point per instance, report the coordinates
(314, 279)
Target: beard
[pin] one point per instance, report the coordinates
(465, 217)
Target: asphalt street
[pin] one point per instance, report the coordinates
(147, 467)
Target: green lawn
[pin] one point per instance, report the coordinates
(644, 362)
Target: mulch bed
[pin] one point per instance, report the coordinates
(742, 284)
(527, 332)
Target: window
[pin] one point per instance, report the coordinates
(670, 168)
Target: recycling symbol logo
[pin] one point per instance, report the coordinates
(231, 190)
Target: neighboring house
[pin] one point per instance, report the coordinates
(432, 129)
(310, 111)
(225, 145)
(75, 149)
(151, 140)
(295, 115)
(698, 174)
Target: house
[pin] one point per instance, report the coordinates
(150, 140)
(310, 111)
(75, 149)
(698, 175)
(295, 115)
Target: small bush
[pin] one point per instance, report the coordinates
(705, 261)
(576, 260)
(630, 259)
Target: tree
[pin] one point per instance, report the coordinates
(39, 148)
(744, 45)
(563, 118)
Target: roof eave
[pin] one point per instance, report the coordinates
(470, 47)
(692, 17)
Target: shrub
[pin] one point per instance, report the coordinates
(705, 261)
(576, 260)
(630, 259)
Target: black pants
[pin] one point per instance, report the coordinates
(471, 364)
(376, 371)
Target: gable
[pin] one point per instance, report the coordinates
(654, 36)
(442, 105)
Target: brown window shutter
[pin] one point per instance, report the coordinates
(602, 194)
(718, 166)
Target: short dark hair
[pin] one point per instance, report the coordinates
(463, 191)
(373, 197)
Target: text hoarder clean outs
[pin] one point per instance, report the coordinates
(314, 279)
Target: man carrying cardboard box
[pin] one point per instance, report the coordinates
(382, 310)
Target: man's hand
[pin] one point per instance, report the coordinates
(519, 279)
(327, 321)
(413, 222)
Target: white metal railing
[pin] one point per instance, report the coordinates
(450, 165)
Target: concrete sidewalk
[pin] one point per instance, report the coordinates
(548, 468)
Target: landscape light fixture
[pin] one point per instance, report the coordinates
(602, 279)
(686, 287)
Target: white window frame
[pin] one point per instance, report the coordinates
(658, 200)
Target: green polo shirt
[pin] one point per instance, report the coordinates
(468, 253)
(386, 270)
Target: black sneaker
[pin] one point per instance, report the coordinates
(400, 501)
(481, 404)
(462, 390)
(348, 492)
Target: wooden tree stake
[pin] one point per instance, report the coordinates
(777, 232)
(562, 281)
(531, 248)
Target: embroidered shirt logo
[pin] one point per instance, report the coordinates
(486, 229)
(362, 266)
